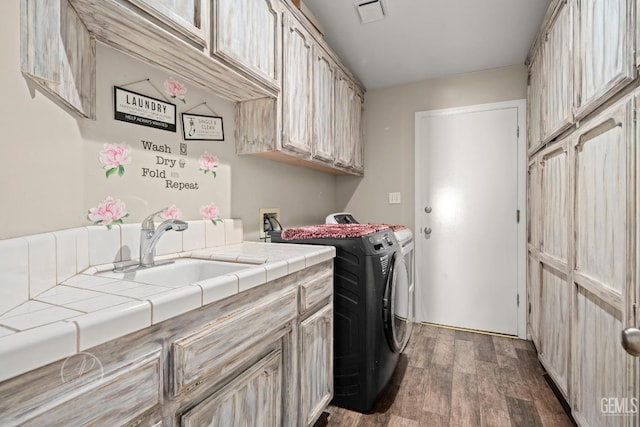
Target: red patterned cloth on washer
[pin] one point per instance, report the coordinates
(331, 230)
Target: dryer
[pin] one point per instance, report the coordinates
(404, 297)
(368, 338)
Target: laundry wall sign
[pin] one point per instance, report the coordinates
(202, 128)
(143, 110)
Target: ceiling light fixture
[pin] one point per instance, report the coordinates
(370, 10)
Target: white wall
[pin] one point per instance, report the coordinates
(50, 174)
(389, 137)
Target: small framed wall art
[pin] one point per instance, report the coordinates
(198, 127)
(143, 110)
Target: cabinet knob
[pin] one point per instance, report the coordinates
(630, 338)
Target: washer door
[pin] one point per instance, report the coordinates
(395, 301)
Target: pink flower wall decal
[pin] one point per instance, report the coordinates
(113, 157)
(109, 212)
(209, 163)
(175, 89)
(172, 212)
(211, 213)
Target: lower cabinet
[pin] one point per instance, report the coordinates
(222, 347)
(316, 364)
(554, 320)
(263, 357)
(251, 399)
(123, 397)
(533, 294)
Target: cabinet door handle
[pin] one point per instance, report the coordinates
(427, 232)
(630, 338)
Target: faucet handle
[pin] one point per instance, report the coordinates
(147, 223)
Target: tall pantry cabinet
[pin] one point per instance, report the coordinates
(583, 188)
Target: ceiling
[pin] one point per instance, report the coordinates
(425, 39)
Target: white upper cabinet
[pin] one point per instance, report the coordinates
(323, 105)
(534, 100)
(357, 134)
(557, 52)
(342, 129)
(245, 35)
(296, 86)
(189, 18)
(58, 54)
(348, 126)
(605, 51)
(318, 115)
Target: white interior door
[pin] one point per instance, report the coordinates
(467, 201)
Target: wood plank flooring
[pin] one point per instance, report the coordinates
(463, 379)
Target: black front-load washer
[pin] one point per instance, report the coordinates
(367, 337)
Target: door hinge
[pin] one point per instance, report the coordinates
(518, 132)
(518, 300)
(635, 115)
(518, 216)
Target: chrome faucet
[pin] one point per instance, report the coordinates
(149, 236)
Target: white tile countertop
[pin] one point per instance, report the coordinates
(86, 309)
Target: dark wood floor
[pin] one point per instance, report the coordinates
(458, 378)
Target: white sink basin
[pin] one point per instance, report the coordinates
(181, 272)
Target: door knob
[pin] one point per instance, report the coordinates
(631, 341)
(427, 232)
(427, 209)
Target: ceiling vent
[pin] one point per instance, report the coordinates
(370, 10)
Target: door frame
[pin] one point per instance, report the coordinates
(521, 106)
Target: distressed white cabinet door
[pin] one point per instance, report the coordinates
(555, 320)
(186, 18)
(533, 205)
(316, 364)
(342, 130)
(246, 35)
(558, 55)
(554, 332)
(119, 398)
(256, 125)
(605, 266)
(253, 398)
(357, 147)
(534, 103)
(349, 149)
(323, 105)
(222, 346)
(59, 54)
(605, 51)
(534, 294)
(533, 265)
(554, 217)
(296, 86)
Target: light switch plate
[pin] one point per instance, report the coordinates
(394, 198)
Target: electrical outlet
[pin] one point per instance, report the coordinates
(394, 198)
(266, 221)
